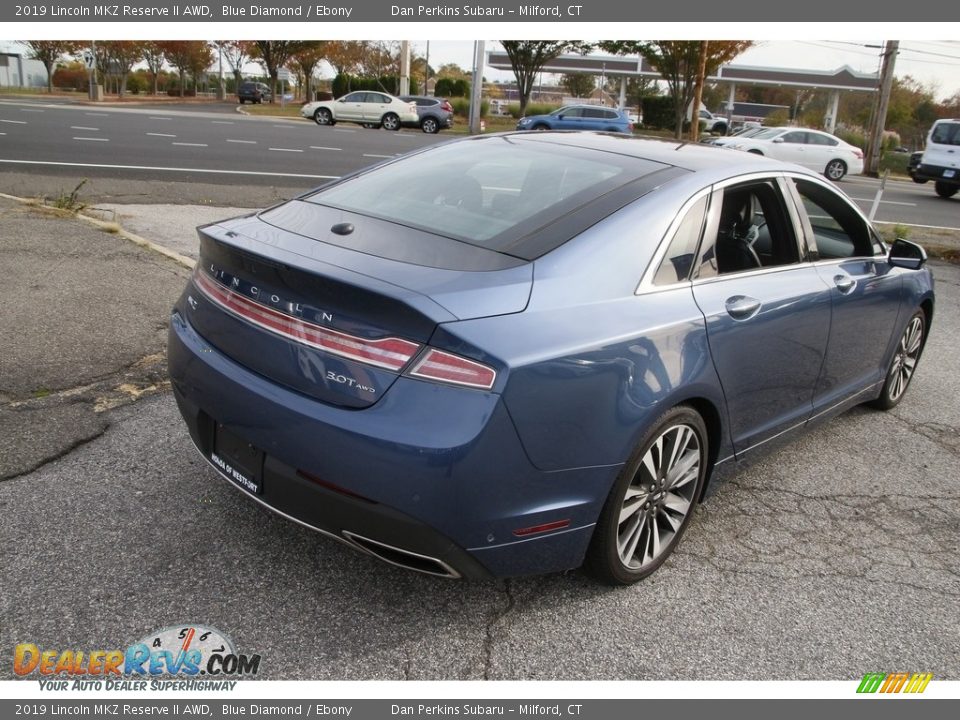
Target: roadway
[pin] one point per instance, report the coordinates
(204, 144)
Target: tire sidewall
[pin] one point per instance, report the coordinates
(602, 558)
(835, 163)
(885, 402)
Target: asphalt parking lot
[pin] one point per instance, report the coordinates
(831, 557)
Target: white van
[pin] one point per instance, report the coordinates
(941, 158)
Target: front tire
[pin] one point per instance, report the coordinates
(919, 181)
(323, 116)
(945, 190)
(835, 170)
(652, 501)
(904, 363)
(391, 121)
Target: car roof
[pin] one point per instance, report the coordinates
(695, 157)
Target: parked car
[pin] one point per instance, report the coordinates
(253, 92)
(812, 149)
(469, 362)
(363, 107)
(715, 124)
(912, 164)
(940, 160)
(579, 117)
(434, 114)
(742, 134)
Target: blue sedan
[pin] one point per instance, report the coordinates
(523, 353)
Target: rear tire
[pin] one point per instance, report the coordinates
(430, 126)
(904, 363)
(945, 190)
(652, 501)
(835, 170)
(390, 121)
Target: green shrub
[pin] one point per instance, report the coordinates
(135, 85)
(450, 87)
(854, 137)
(461, 106)
(532, 109)
(658, 112)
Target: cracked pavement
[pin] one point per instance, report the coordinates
(832, 556)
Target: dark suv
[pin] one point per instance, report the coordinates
(434, 114)
(255, 92)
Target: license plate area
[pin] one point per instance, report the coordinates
(237, 459)
(949, 173)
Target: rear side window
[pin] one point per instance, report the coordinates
(678, 261)
(495, 192)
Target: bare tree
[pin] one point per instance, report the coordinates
(122, 55)
(273, 55)
(153, 57)
(237, 54)
(307, 57)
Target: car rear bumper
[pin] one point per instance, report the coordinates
(430, 478)
(951, 176)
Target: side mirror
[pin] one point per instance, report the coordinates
(560, 117)
(778, 140)
(906, 254)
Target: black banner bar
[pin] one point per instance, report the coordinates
(576, 11)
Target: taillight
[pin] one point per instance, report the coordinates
(389, 353)
(448, 368)
(446, 106)
(858, 153)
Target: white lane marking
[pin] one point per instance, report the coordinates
(25, 110)
(342, 130)
(161, 135)
(160, 118)
(15, 122)
(320, 147)
(884, 202)
(190, 144)
(222, 122)
(98, 114)
(286, 127)
(168, 169)
(93, 139)
(81, 127)
(245, 142)
(2, 133)
(378, 156)
(284, 150)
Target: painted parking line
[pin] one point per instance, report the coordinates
(286, 127)
(378, 156)
(98, 114)
(926, 227)
(321, 147)
(222, 122)
(160, 135)
(342, 130)
(190, 144)
(93, 139)
(81, 127)
(884, 202)
(209, 171)
(245, 142)
(160, 118)
(15, 122)
(284, 150)
(26, 110)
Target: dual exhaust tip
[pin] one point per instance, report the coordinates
(400, 557)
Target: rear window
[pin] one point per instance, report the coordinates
(494, 193)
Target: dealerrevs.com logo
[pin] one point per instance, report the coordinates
(179, 657)
(911, 683)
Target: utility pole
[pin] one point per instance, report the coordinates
(404, 67)
(477, 88)
(874, 146)
(698, 92)
(426, 73)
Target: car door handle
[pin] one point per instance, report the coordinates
(844, 283)
(741, 307)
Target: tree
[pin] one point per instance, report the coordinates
(346, 56)
(306, 58)
(153, 57)
(273, 55)
(578, 84)
(185, 55)
(678, 62)
(237, 54)
(122, 55)
(528, 57)
(49, 53)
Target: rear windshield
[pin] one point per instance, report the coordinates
(946, 133)
(492, 193)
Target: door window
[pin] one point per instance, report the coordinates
(838, 229)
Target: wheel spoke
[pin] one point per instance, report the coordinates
(630, 507)
(913, 343)
(680, 474)
(627, 542)
(677, 503)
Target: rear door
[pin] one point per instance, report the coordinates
(767, 309)
(865, 292)
(375, 107)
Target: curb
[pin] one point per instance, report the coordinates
(187, 262)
